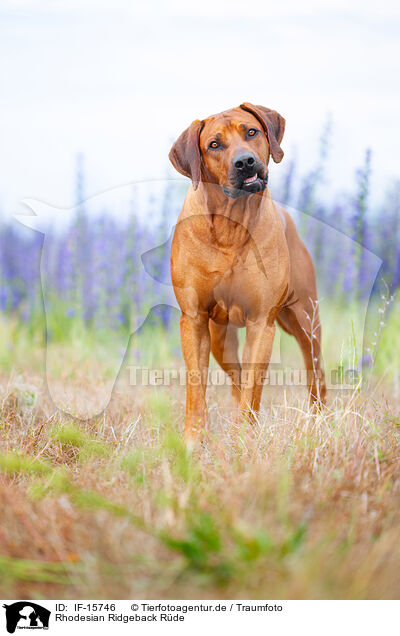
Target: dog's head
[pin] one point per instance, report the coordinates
(231, 149)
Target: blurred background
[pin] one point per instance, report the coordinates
(93, 96)
(120, 80)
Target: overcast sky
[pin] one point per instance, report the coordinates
(119, 80)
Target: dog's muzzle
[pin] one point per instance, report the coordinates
(247, 175)
(258, 185)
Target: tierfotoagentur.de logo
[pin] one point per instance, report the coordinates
(26, 615)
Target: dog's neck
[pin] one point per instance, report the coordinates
(232, 221)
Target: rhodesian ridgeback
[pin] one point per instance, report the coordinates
(238, 261)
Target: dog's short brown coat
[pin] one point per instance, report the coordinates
(238, 261)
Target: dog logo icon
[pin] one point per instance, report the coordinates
(26, 615)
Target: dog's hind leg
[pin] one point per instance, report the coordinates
(302, 321)
(300, 317)
(256, 355)
(225, 349)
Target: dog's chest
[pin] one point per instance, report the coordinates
(237, 290)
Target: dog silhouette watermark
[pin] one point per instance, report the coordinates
(94, 397)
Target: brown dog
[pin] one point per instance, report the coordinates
(237, 260)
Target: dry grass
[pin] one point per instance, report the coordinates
(302, 505)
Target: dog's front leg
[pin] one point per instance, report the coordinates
(195, 340)
(256, 355)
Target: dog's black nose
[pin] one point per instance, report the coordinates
(244, 160)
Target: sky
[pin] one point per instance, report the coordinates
(119, 80)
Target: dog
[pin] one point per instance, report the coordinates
(238, 261)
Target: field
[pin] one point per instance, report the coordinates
(301, 505)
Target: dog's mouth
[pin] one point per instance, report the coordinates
(253, 184)
(250, 185)
(250, 179)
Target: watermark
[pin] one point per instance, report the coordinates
(26, 615)
(145, 279)
(339, 378)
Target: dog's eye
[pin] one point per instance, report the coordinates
(251, 132)
(214, 144)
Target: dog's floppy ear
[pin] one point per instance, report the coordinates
(185, 153)
(273, 124)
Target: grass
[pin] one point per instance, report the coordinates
(301, 505)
